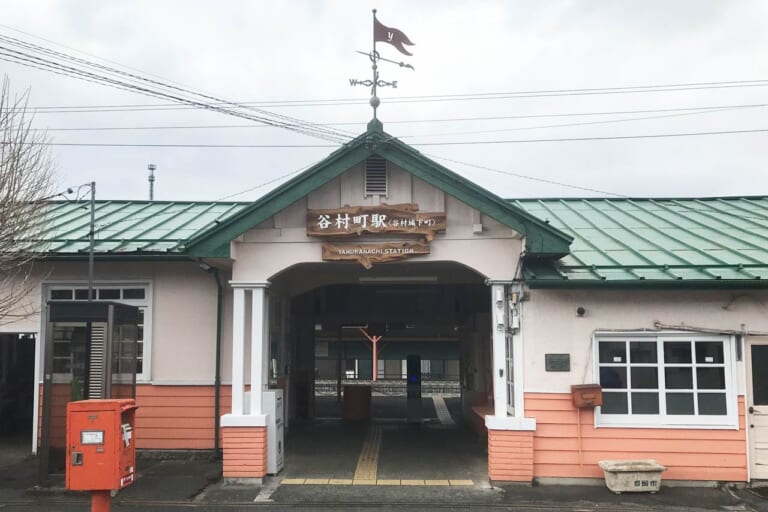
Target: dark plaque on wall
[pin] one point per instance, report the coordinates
(557, 362)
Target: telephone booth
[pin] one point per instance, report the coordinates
(91, 352)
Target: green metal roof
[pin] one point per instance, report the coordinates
(654, 241)
(130, 227)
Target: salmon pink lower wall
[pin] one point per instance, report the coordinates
(168, 418)
(510, 455)
(245, 452)
(177, 417)
(566, 444)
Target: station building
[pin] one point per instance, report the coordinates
(660, 303)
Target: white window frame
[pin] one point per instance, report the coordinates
(146, 303)
(662, 420)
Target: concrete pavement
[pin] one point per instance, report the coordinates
(380, 465)
(170, 485)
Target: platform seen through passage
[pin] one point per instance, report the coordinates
(387, 450)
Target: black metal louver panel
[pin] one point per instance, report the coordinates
(375, 176)
(98, 362)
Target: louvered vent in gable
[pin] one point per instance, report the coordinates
(375, 176)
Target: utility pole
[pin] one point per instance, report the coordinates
(91, 237)
(151, 179)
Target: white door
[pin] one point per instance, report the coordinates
(757, 406)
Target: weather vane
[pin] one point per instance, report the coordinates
(397, 39)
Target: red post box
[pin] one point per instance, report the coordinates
(101, 448)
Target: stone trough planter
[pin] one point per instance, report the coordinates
(632, 475)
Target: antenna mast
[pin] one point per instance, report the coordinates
(151, 180)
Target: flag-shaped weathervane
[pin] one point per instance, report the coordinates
(392, 36)
(396, 38)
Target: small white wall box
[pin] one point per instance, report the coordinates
(632, 475)
(273, 407)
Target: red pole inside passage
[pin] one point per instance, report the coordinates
(375, 341)
(100, 501)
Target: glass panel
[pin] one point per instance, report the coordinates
(642, 352)
(613, 378)
(645, 403)
(759, 375)
(710, 378)
(82, 294)
(613, 352)
(678, 378)
(109, 293)
(63, 365)
(614, 403)
(645, 378)
(677, 352)
(712, 404)
(61, 349)
(61, 294)
(709, 352)
(133, 293)
(679, 403)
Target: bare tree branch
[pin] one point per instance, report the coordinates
(26, 181)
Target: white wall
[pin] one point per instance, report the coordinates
(551, 325)
(184, 312)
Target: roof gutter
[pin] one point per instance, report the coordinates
(645, 284)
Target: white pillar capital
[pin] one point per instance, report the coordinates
(249, 284)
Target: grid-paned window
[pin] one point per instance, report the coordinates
(134, 295)
(666, 380)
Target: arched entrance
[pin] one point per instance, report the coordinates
(350, 330)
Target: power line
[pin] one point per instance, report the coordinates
(221, 199)
(28, 54)
(683, 111)
(562, 125)
(460, 143)
(451, 97)
(525, 176)
(580, 139)
(231, 146)
(578, 187)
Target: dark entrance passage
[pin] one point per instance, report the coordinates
(17, 389)
(363, 335)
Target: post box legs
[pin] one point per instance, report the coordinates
(100, 501)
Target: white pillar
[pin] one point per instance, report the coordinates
(499, 340)
(259, 346)
(238, 351)
(501, 328)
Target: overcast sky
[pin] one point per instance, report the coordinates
(294, 51)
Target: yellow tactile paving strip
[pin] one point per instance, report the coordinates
(366, 472)
(368, 463)
(346, 481)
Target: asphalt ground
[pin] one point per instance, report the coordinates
(434, 466)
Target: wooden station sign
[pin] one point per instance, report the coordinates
(359, 220)
(368, 254)
(395, 219)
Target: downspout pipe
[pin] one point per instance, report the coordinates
(217, 377)
(205, 267)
